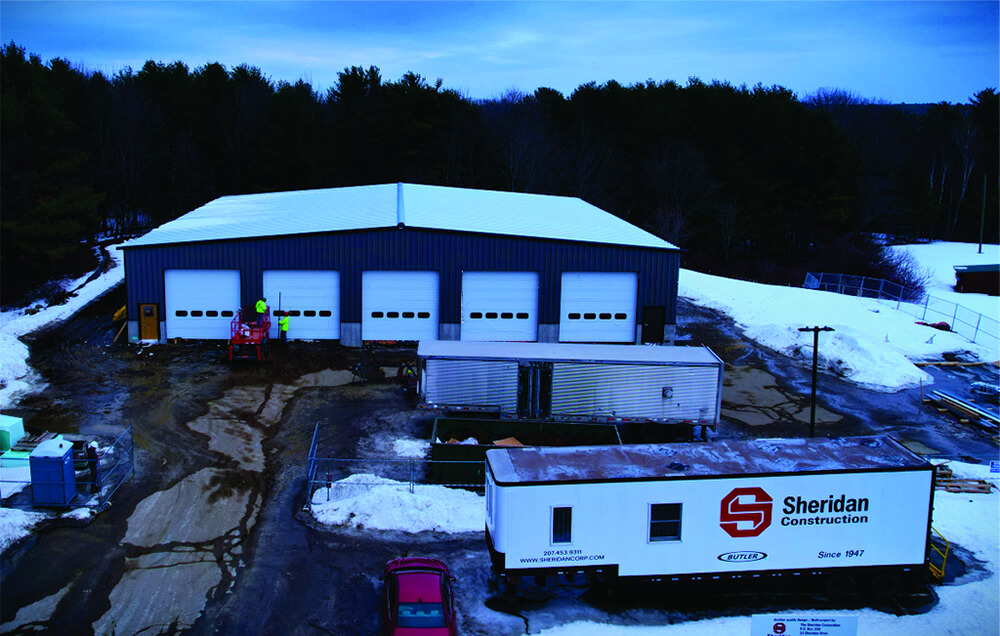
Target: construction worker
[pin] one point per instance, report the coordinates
(93, 460)
(283, 326)
(261, 310)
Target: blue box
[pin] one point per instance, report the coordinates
(53, 479)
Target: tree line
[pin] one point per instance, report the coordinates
(748, 180)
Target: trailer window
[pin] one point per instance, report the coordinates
(665, 522)
(562, 525)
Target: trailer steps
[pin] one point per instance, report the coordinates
(937, 570)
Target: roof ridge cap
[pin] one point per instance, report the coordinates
(400, 210)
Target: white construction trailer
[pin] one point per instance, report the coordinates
(573, 382)
(845, 514)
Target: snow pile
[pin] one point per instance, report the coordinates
(411, 448)
(17, 524)
(938, 260)
(16, 377)
(368, 501)
(873, 345)
(14, 479)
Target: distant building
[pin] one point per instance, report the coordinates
(405, 262)
(978, 279)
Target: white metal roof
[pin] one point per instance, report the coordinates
(693, 460)
(567, 352)
(388, 205)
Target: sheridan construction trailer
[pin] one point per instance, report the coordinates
(839, 514)
(573, 382)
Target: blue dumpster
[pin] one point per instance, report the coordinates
(53, 479)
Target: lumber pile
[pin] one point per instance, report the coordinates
(964, 485)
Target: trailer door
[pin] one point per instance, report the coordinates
(201, 303)
(598, 306)
(500, 306)
(312, 298)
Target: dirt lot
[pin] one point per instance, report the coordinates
(210, 535)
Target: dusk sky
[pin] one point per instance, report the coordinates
(897, 51)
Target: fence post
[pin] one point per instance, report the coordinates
(881, 285)
(927, 299)
(975, 334)
(411, 476)
(954, 317)
(861, 288)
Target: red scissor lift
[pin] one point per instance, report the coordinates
(249, 337)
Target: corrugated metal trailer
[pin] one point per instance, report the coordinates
(573, 382)
(839, 514)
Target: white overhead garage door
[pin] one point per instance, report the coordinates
(500, 306)
(598, 306)
(201, 303)
(310, 297)
(399, 305)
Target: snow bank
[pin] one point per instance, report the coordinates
(16, 377)
(17, 524)
(873, 345)
(938, 259)
(411, 448)
(368, 501)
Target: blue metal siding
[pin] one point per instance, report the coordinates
(449, 253)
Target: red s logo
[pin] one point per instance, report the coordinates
(757, 512)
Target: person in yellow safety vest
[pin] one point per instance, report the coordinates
(283, 326)
(261, 310)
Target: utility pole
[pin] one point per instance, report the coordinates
(812, 411)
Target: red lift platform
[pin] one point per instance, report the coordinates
(249, 337)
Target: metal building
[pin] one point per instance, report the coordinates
(405, 262)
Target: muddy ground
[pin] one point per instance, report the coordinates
(210, 535)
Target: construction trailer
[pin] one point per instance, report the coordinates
(839, 515)
(572, 382)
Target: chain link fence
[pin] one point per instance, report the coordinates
(336, 478)
(969, 324)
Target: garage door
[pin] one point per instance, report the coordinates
(598, 307)
(399, 305)
(310, 297)
(201, 303)
(500, 306)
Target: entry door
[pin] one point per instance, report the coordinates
(598, 306)
(149, 321)
(201, 303)
(399, 305)
(653, 320)
(500, 306)
(311, 298)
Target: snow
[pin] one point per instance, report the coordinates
(16, 377)
(411, 448)
(873, 344)
(938, 260)
(17, 524)
(376, 503)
